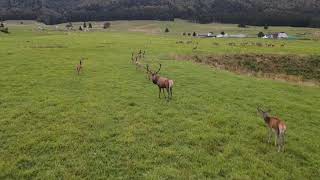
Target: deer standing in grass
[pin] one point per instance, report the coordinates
(79, 66)
(162, 82)
(277, 126)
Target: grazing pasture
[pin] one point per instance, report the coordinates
(108, 122)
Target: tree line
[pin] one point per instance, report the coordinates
(304, 13)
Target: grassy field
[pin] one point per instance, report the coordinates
(109, 123)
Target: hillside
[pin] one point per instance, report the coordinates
(254, 12)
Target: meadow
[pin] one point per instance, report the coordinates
(108, 122)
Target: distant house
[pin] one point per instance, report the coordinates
(281, 35)
(222, 36)
(209, 35)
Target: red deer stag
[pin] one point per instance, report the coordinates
(161, 82)
(277, 126)
(79, 66)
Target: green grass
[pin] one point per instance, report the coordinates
(109, 123)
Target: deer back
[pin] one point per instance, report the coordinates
(163, 82)
(275, 123)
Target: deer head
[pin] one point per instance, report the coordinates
(263, 113)
(154, 75)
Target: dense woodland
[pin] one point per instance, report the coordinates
(252, 12)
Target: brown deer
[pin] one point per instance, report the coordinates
(277, 126)
(132, 57)
(79, 66)
(161, 82)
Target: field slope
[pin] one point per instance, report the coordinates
(109, 123)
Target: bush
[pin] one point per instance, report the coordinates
(242, 25)
(4, 30)
(260, 34)
(90, 25)
(194, 34)
(84, 25)
(1, 24)
(223, 33)
(189, 34)
(69, 25)
(184, 34)
(266, 27)
(80, 28)
(167, 30)
(106, 25)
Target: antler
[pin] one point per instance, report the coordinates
(158, 69)
(259, 109)
(147, 68)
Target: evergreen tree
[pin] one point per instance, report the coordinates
(260, 34)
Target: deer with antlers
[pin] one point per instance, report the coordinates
(79, 66)
(275, 125)
(162, 82)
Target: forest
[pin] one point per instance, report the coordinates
(299, 13)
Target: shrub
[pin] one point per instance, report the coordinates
(69, 25)
(242, 25)
(106, 25)
(260, 34)
(184, 34)
(90, 25)
(194, 34)
(189, 34)
(80, 28)
(84, 25)
(223, 33)
(4, 30)
(266, 27)
(167, 30)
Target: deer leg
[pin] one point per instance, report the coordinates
(159, 92)
(283, 142)
(276, 137)
(280, 142)
(171, 92)
(164, 94)
(269, 135)
(168, 91)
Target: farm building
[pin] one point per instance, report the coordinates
(209, 35)
(281, 35)
(222, 36)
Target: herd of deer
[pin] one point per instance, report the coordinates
(274, 124)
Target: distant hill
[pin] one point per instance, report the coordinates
(254, 12)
